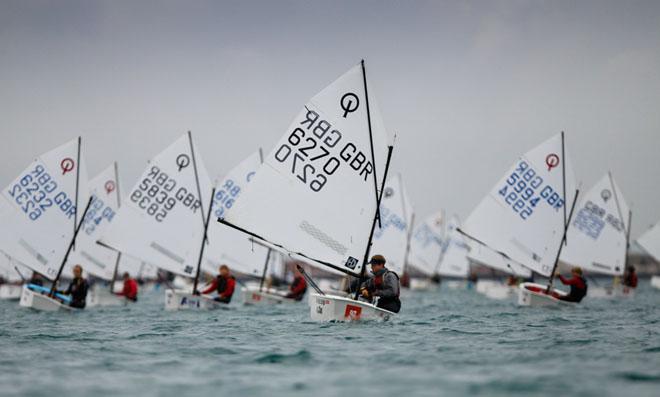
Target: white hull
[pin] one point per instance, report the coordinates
(611, 292)
(184, 300)
(252, 296)
(532, 294)
(335, 308)
(10, 291)
(496, 290)
(101, 297)
(37, 301)
(655, 282)
(422, 284)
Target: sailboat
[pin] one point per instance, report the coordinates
(496, 289)
(317, 194)
(164, 219)
(234, 248)
(45, 219)
(599, 235)
(391, 238)
(99, 261)
(426, 246)
(525, 216)
(650, 241)
(454, 262)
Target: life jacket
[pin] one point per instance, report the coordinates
(378, 281)
(579, 293)
(223, 284)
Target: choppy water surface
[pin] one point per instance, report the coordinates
(445, 342)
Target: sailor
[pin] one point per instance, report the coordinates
(578, 286)
(77, 289)
(298, 287)
(224, 284)
(384, 284)
(130, 290)
(630, 277)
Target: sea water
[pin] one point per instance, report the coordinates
(444, 342)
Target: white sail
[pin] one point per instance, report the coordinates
(523, 215)
(482, 255)
(230, 246)
(391, 238)
(650, 241)
(94, 258)
(426, 244)
(47, 201)
(161, 220)
(315, 193)
(597, 235)
(454, 261)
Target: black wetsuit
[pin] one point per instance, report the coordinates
(78, 291)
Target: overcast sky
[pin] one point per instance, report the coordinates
(466, 86)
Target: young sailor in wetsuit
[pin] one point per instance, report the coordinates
(384, 284)
(298, 287)
(77, 289)
(578, 286)
(130, 290)
(224, 284)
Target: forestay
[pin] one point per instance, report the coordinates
(454, 261)
(650, 241)
(47, 200)
(597, 236)
(230, 246)
(391, 238)
(426, 244)
(316, 192)
(161, 220)
(523, 216)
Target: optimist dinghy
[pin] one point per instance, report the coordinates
(599, 237)
(165, 219)
(524, 216)
(336, 148)
(46, 217)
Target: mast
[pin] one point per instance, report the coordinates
(625, 259)
(563, 184)
(114, 273)
(563, 241)
(371, 140)
(263, 275)
(376, 219)
(76, 227)
(68, 251)
(563, 179)
(410, 226)
(205, 219)
(75, 213)
(204, 240)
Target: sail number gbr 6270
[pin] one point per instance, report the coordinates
(315, 151)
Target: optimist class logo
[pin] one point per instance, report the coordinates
(67, 165)
(109, 187)
(551, 160)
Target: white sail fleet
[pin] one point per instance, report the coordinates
(323, 197)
